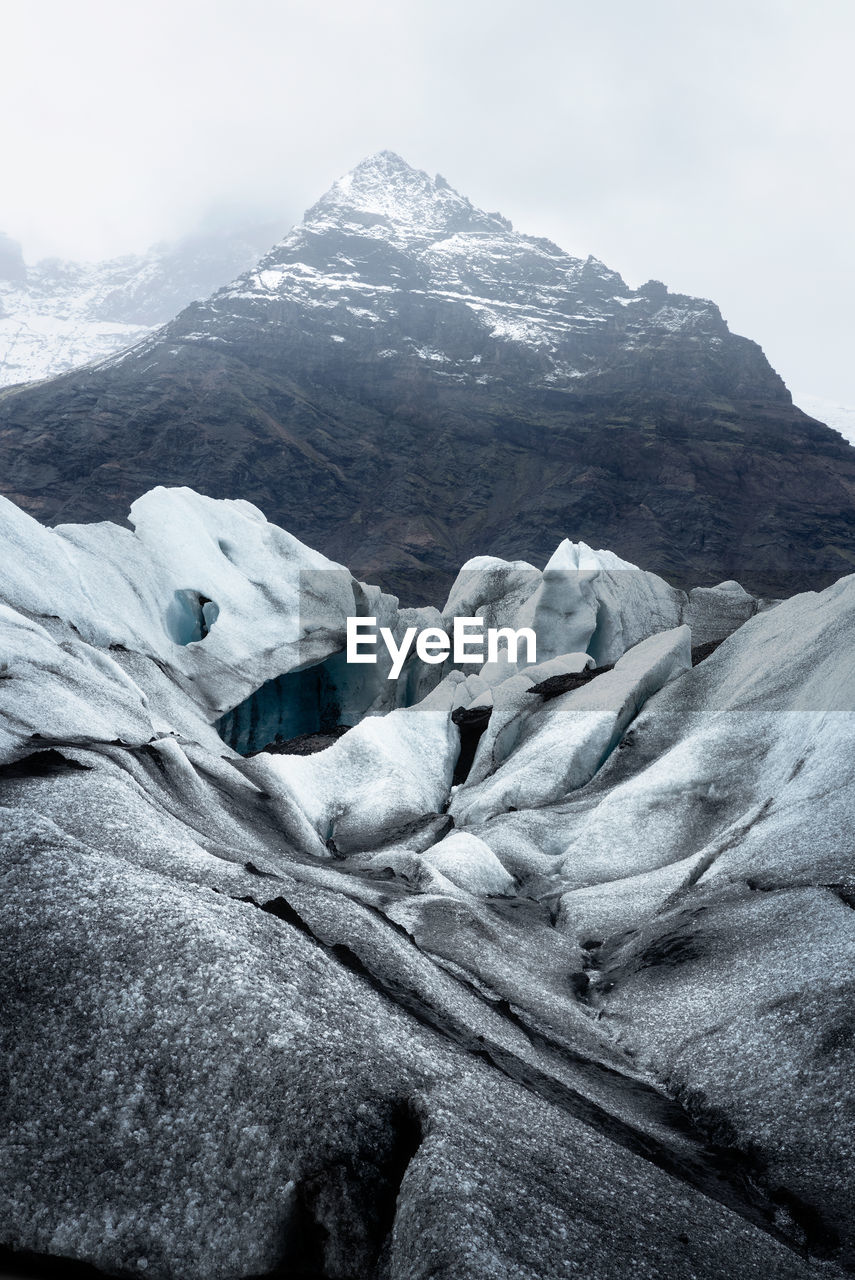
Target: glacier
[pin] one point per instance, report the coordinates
(295, 979)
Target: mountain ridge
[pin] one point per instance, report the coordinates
(537, 295)
(404, 391)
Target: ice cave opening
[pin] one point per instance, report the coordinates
(318, 699)
(300, 702)
(190, 616)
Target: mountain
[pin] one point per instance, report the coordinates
(404, 381)
(838, 416)
(57, 315)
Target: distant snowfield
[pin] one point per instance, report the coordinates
(56, 316)
(37, 344)
(838, 416)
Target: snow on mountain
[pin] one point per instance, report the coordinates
(387, 241)
(402, 351)
(50, 322)
(57, 315)
(383, 190)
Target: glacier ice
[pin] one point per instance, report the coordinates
(558, 747)
(387, 771)
(469, 863)
(262, 1007)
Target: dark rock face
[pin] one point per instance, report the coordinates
(404, 381)
(471, 723)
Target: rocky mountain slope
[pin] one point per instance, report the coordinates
(56, 315)
(583, 1007)
(404, 380)
(838, 416)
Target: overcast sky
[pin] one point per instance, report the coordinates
(706, 143)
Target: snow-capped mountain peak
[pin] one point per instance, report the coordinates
(384, 190)
(388, 259)
(395, 260)
(399, 339)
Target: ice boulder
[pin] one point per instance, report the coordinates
(591, 601)
(595, 602)
(492, 589)
(716, 612)
(386, 772)
(64, 693)
(512, 704)
(565, 742)
(470, 864)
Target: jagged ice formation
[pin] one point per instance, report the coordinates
(586, 1009)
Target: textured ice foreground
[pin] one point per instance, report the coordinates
(535, 971)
